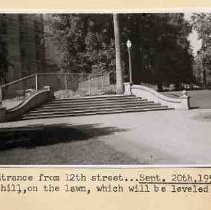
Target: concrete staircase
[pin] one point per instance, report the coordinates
(92, 106)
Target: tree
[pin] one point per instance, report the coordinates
(160, 48)
(160, 51)
(119, 80)
(85, 41)
(202, 24)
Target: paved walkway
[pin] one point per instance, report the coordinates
(162, 137)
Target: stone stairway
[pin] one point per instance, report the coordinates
(92, 106)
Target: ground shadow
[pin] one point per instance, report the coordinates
(44, 135)
(203, 117)
(194, 107)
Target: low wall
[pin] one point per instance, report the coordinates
(152, 95)
(32, 102)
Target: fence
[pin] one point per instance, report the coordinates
(63, 84)
(17, 88)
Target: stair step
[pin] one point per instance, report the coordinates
(57, 102)
(93, 105)
(96, 97)
(113, 106)
(72, 105)
(94, 110)
(94, 113)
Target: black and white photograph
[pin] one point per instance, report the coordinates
(105, 88)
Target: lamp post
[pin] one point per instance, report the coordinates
(129, 45)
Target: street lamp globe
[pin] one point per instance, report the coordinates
(129, 44)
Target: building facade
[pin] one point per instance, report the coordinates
(22, 47)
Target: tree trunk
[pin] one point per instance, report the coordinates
(119, 79)
(204, 79)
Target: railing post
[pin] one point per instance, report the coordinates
(127, 88)
(89, 84)
(65, 81)
(102, 82)
(2, 109)
(185, 100)
(1, 97)
(36, 82)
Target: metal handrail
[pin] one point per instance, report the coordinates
(67, 73)
(18, 80)
(46, 73)
(35, 75)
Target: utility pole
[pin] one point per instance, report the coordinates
(119, 77)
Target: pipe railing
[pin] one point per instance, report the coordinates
(18, 80)
(15, 82)
(43, 79)
(47, 73)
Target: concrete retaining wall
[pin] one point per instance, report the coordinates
(181, 103)
(32, 102)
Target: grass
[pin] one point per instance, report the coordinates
(198, 98)
(59, 144)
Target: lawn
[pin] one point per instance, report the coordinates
(198, 98)
(59, 144)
